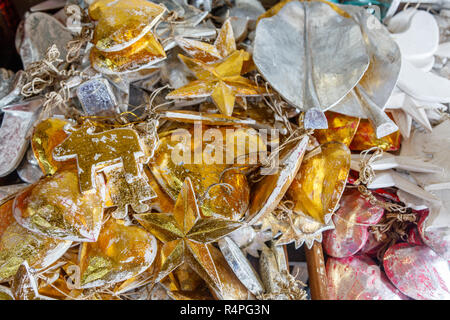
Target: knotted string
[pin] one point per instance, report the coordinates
(288, 286)
(367, 175)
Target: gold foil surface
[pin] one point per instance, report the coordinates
(341, 128)
(18, 244)
(92, 150)
(319, 184)
(55, 207)
(222, 81)
(143, 53)
(220, 201)
(185, 234)
(120, 253)
(122, 23)
(122, 194)
(46, 136)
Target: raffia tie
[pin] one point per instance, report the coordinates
(74, 46)
(41, 74)
(366, 176)
(271, 162)
(289, 287)
(275, 103)
(392, 229)
(284, 211)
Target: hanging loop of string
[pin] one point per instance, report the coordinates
(74, 46)
(367, 175)
(288, 286)
(41, 74)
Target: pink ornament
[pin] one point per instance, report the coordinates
(417, 271)
(352, 220)
(359, 278)
(371, 246)
(437, 239)
(414, 237)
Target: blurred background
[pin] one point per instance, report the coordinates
(11, 11)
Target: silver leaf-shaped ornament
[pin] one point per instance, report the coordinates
(311, 55)
(17, 120)
(41, 31)
(369, 97)
(240, 266)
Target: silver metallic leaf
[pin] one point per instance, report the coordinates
(369, 97)
(311, 55)
(241, 266)
(41, 31)
(17, 120)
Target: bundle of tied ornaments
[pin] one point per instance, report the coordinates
(134, 125)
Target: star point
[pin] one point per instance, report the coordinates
(186, 234)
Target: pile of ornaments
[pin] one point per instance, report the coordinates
(114, 136)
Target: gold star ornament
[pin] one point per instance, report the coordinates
(218, 68)
(222, 81)
(123, 39)
(186, 234)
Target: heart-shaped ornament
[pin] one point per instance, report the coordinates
(181, 154)
(351, 220)
(18, 244)
(122, 23)
(120, 253)
(358, 278)
(55, 207)
(46, 136)
(418, 272)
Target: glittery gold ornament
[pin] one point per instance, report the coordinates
(141, 54)
(341, 128)
(366, 138)
(222, 81)
(185, 235)
(46, 136)
(92, 150)
(163, 202)
(122, 194)
(120, 253)
(122, 23)
(56, 208)
(224, 46)
(221, 201)
(268, 192)
(319, 184)
(18, 244)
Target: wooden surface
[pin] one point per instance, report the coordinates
(316, 270)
